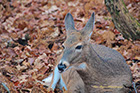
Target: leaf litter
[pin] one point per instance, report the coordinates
(32, 32)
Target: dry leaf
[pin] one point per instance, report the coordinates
(109, 37)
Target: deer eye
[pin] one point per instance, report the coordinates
(79, 47)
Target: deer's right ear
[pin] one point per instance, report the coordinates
(69, 23)
(87, 30)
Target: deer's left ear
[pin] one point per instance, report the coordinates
(88, 29)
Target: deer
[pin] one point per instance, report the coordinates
(97, 68)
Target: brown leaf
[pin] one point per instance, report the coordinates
(37, 90)
(109, 37)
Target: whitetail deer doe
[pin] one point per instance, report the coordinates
(90, 68)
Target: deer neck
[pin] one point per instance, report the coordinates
(95, 62)
(91, 56)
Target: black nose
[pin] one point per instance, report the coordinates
(61, 67)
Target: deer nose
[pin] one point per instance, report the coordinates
(61, 67)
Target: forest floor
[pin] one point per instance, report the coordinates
(32, 33)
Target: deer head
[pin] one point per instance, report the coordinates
(76, 43)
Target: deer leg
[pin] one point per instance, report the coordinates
(56, 78)
(62, 84)
(53, 78)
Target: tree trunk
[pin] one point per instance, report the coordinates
(124, 22)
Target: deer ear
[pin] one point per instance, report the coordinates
(87, 30)
(69, 23)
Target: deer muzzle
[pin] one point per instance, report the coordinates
(62, 66)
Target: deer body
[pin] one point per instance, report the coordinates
(105, 66)
(103, 69)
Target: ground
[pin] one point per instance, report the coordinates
(32, 33)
